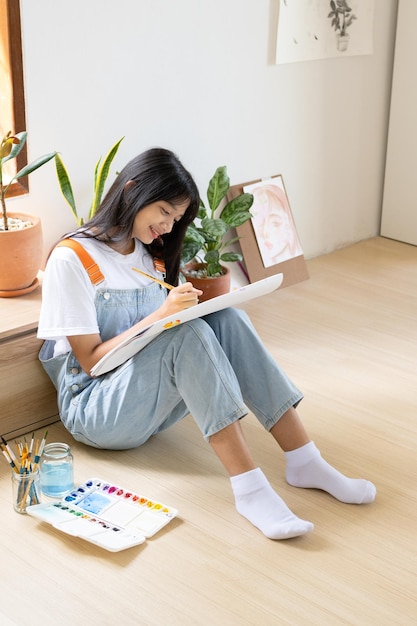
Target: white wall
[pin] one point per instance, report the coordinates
(199, 77)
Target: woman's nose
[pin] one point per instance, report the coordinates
(168, 225)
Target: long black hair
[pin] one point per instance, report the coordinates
(158, 175)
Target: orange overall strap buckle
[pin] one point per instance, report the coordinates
(90, 265)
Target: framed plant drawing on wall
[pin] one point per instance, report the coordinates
(309, 30)
(269, 240)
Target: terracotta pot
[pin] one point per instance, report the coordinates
(20, 257)
(211, 286)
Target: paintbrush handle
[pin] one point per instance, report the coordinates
(160, 282)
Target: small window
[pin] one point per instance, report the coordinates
(12, 97)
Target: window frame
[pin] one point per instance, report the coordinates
(14, 42)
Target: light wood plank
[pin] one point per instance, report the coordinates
(348, 337)
(20, 315)
(27, 396)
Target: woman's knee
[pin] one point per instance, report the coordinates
(228, 322)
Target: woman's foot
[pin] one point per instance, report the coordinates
(261, 505)
(306, 468)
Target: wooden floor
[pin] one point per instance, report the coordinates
(348, 337)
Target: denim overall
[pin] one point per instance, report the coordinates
(215, 368)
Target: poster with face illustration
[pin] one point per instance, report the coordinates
(269, 242)
(272, 222)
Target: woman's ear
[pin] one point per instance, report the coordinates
(129, 185)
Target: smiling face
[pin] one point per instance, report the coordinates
(157, 219)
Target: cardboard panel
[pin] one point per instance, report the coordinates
(277, 222)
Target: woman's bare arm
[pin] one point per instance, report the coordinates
(89, 349)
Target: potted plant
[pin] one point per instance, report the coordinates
(205, 243)
(20, 233)
(342, 17)
(101, 173)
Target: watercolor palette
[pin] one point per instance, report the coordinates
(105, 514)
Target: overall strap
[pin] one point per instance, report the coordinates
(90, 265)
(159, 265)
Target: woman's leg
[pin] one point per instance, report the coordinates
(289, 431)
(306, 468)
(266, 389)
(272, 398)
(183, 370)
(255, 499)
(230, 446)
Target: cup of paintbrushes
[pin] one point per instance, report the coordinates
(25, 489)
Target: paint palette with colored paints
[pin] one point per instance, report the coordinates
(105, 514)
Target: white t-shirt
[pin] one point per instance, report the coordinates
(68, 294)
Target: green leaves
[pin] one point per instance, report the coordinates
(10, 148)
(206, 238)
(101, 173)
(236, 212)
(66, 187)
(229, 257)
(31, 167)
(100, 177)
(193, 242)
(13, 146)
(213, 263)
(10, 141)
(213, 229)
(218, 188)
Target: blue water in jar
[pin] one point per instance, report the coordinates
(56, 473)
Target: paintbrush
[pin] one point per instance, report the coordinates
(6, 446)
(160, 282)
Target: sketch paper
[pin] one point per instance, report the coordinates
(138, 341)
(305, 31)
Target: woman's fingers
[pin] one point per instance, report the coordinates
(185, 295)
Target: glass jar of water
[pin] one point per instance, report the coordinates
(56, 470)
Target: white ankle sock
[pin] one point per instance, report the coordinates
(261, 505)
(306, 468)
